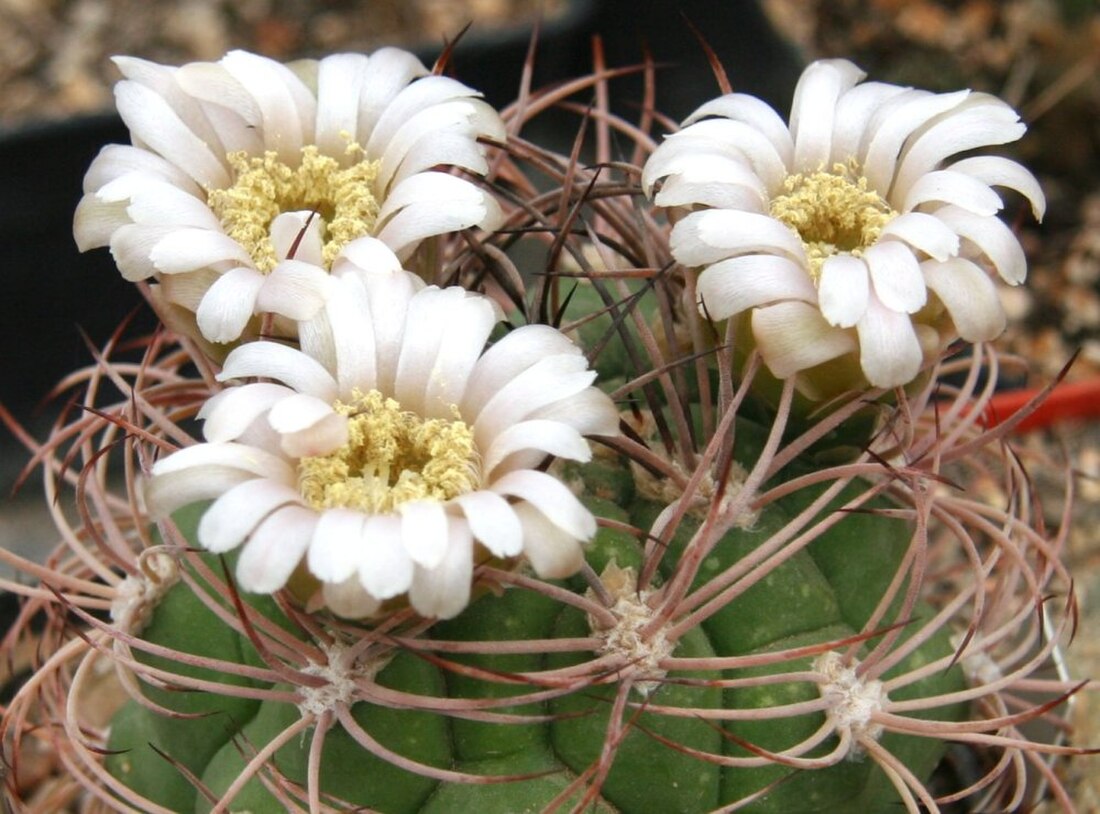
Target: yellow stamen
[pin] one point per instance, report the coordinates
(265, 187)
(833, 212)
(392, 456)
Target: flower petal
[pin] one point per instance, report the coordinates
(340, 79)
(553, 553)
(275, 361)
(993, 239)
(889, 352)
(275, 549)
(234, 515)
(794, 336)
(952, 188)
(297, 236)
(424, 531)
(734, 285)
(493, 522)
(538, 438)
(969, 296)
(228, 413)
(814, 108)
(443, 591)
(701, 238)
(229, 304)
(385, 569)
(895, 276)
(294, 289)
(924, 232)
(335, 546)
(843, 289)
(754, 112)
(349, 599)
(996, 170)
(189, 249)
(551, 497)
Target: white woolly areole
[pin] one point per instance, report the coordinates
(625, 638)
(341, 678)
(852, 701)
(138, 594)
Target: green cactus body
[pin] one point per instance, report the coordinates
(821, 594)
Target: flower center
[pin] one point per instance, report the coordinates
(392, 456)
(266, 187)
(833, 212)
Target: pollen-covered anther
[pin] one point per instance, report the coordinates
(139, 594)
(265, 187)
(853, 702)
(833, 211)
(640, 653)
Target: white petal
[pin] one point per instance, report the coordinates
(216, 86)
(302, 412)
(385, 569)
(854, 110)
(152, 120)
(275, 549)
(752, 111)
(889, 352)
(159, 203)
(996, 170)
(420, 348)
(234, 515)
(952, 188)
(229, 304)
(336, 544)
(993, 239)
(590, 412)
(353, 342)
(340, 79)
(814, 108)
(227, 414)
(131, 247)
(539, 436)
(433, 203)
(546, 381)
(420, 95)
(758, 150)
(981, 121)
(553, 553)
(424, 531)
(969, 296)
(117, 160)
(794, 336)
(189, 249)
(443, 591)
(706, 237)
(551, 497)
(710, 187)
(322, 438)
(843, 290)
(508, 358)
(493, 522)
(349, 599)
(168, 492)
(95, 221)
(286, 106)
(297, 236)
(467, 326)
(895, 276)
(893, 122)
(294, 289)
(924, 232)
(731, 286)
(389, 71)
(238, 456)
(368, 254)
(274, 361)
(445, 133)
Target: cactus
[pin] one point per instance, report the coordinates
(788, 606)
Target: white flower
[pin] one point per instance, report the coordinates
(247, 177)
(852, 230)
(397, 453)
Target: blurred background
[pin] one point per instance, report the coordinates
(1039, 55)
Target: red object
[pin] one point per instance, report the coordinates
(1067, 401)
